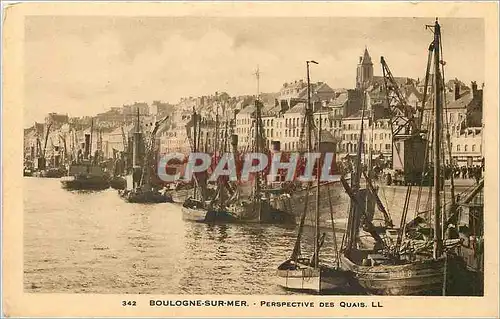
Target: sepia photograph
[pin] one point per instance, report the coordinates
(247, 155)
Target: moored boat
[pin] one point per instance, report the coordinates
(139, 195)
(27, 171)
(381, 276)
(53, 172)
(313, 274)
(118, 182)
(85, 176)
(299, 275)
(140, 187)
(197, 211)
(419, 261)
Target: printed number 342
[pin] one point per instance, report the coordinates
(128, 303)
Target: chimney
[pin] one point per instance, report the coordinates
(457, 89)
(474, 89)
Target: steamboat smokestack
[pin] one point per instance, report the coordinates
(86, 152)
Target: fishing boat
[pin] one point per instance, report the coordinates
(204, 205)
(313, 274)
(118, 180)
(85, 176)
(141, 188)
(469, 224)
(263, 204)
(27, 171)
(408, 266)
(181, 192)
(85, 173)
(47, 167)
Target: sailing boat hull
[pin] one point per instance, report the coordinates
(118, 183)
(425, 277)
(308, 279)
(194, 211)
(201, 215)
(180, 196)
(145, 197)
(84, 183)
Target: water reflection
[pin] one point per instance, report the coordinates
(97, 243)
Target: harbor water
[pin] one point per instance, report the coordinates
(94, 242)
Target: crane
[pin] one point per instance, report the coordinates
(402, 115)
(409, 145)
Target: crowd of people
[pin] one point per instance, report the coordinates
(464, 172)
(458, 172)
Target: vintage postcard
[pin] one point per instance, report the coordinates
(250, 159)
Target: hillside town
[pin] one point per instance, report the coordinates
(61, 135)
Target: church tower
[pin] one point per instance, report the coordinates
(364, 75)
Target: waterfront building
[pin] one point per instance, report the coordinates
(292, 122)
(295, 92)
(467, 148)
(378, 137)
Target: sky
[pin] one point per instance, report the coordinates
(83, 65)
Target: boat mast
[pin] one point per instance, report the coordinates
(196, 188)
(307, 125)
(355, 182)
(309, 111)
(318, 174)
(257, 143)
(91, 130)
(216, 141)
(136, 146)
(437, 143)
(46, 140)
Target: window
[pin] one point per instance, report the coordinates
(465, 147)
(387, 147)
(473, 147)
(286, 133)
(458, 148)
